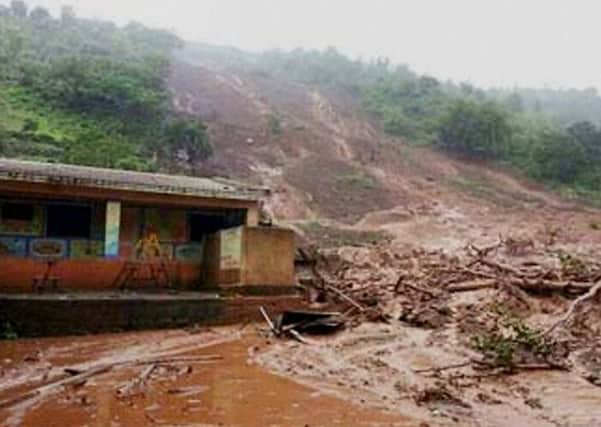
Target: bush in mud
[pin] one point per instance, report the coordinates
(570, 264)
(513, 342)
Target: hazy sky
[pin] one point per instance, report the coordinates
(486, 42)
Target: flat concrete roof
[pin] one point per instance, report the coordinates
(144, 182)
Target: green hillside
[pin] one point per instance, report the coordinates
(88, 92)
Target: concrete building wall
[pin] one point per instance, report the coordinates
(266, 259)
(268, 256)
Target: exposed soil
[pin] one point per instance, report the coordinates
(330, 161)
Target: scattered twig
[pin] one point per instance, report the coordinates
(268, 320)
(135, 386)
(444, 368)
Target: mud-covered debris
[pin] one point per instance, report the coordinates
(310, 322)
(439, 393)
(415, 286)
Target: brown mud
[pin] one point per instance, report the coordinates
(376, 364)
(230, 391)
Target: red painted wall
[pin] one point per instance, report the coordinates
(17, 274)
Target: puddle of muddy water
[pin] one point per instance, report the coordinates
(230, 391)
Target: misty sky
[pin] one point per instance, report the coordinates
(486, 42)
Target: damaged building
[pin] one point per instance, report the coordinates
(74, 228)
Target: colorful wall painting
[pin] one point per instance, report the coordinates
(191, 253)
(83, 249)
(113, 222)
(166, 251)
(169, 224)
(48, 248)
(35, 227)
(231, 248)
(13, 246)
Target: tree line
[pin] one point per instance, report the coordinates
(104, 85)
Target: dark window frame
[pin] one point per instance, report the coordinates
(15, 207)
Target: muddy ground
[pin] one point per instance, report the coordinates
(227, 389)
(380, 365)
(363, 376)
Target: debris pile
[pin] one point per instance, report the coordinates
(514, 277)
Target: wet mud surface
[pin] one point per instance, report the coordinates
(380, 365)
(224, 389)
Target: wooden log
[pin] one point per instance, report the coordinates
(592, 293)
(472, 286)
(53, 385)
(346, 298)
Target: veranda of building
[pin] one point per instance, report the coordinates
(87, 223)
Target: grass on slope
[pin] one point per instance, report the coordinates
(31, 128)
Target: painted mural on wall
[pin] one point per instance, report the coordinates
(82, 249)
(192, 252)
(166, 251)
(35, 227)
(13, 246)
(231, 249)
(113, 222)
(170, 225)
(48, 248)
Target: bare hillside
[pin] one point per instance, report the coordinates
(326, 160)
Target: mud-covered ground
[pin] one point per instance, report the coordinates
(382, 365)
(373, 374)
(465, 335)
(224, 387)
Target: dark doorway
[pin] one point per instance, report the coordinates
(203, 223)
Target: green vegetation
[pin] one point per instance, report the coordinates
(475, 129)
(514, 337)
(88, 92)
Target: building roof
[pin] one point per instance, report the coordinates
(84, 176)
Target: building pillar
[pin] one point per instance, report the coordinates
(111, 233)
(252, 216)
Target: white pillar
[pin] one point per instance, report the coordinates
(111, 230)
